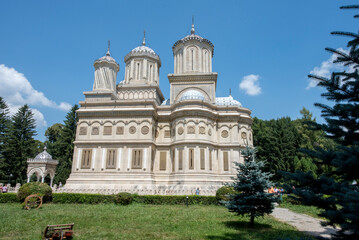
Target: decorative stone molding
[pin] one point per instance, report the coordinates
(95, 130)
(132, 130)
(83, 131)
(202, 130)
(145, 130)
(119, 131)
(107, 130)
(224, 134)
(167, 134)
(210, 132)
(244, 135)
(180, 130)
(191, 130)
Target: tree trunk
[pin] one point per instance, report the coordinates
(251, 224)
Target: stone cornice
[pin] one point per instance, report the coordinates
(199, 77)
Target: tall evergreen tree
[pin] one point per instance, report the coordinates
(53, 135)
(4, 125)
(65, 146)
(250, 185)
(20, 143)
(277, 141)
(334, 191)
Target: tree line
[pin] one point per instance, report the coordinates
(281, 144)
(17, 143)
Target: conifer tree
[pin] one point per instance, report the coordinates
(20, 143)
(336, 191)
(250, 185)
(4, 125)
(64, 146)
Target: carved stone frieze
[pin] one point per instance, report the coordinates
(180, 130)
(133, 130)
(145, 130)
(190, 129)
(83, 131)
(210, 132)
(244, 135)
(224, 134)
(119, 131)
(107, 130)
(167, 134)
(202, 130)
(95, 130)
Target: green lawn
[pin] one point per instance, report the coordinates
(309, 210)
(136, 221)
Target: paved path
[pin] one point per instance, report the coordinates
(303, 223)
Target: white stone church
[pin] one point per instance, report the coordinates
(130, 138)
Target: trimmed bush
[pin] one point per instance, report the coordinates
(8, 198)
(223, 192)
(175, 200)
(123, 198)
(82, 198)
(41, 189)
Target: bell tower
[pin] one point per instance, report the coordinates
(193, 69)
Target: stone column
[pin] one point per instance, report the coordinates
(144, 69)
(51, 180)
(42, 179)
(28, 178)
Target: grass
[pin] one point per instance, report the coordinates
(308, 210)
(137, 221)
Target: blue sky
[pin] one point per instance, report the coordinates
(47, 48)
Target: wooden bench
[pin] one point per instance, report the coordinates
(55, 232)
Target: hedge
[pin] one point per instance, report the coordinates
(8, 198)
(81, 198)
(175, 200)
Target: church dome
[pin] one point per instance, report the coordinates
(107, 59)
(195, 37)
(43, 155)
(143, 51)
(192, 95)
(227, 101)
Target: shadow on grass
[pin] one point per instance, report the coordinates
(259, 231)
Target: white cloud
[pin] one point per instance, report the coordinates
(250, 84)
(326, 69)
(16, 89)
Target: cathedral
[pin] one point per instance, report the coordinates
(130, 138)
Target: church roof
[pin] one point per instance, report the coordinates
(192, 95)
(44, 155)
(107, 59)
(227, 101)
(193, 36)
(143, 50)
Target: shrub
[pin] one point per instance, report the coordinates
(82, 198)
(8, 198)
(223, 192)
(175, 200)
(123, 198)
(41, 189)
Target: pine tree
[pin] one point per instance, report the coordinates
(334, 191)
(277, 141)
(64, 146)
(4, 125)
(20, 143)
(250, 185)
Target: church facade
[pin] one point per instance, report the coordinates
(129, 138)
